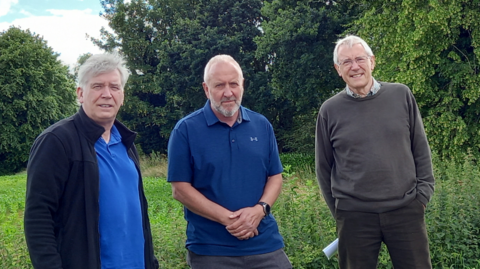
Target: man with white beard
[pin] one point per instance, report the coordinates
(224, 167)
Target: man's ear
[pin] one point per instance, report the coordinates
(372, 60)
(80, 95)
(337, 67)
(205, 89)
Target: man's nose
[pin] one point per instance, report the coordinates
(106, 92)
(355, 65)
(228, 91)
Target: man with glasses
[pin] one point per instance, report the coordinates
(373, 165)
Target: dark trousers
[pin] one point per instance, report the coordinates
(402, 230)
(272, 260)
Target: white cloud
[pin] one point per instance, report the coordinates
(65, 31)
(5, 6)
(26, 13)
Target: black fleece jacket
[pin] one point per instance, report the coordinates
(61, 208)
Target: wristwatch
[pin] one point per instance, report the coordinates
(266, 207)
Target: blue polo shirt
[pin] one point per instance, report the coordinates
(120, 224)
(230, 166)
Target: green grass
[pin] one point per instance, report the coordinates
(453, 217)
(166, 218)
(13, 249)
(167, 223)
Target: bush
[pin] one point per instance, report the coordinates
(36, 90)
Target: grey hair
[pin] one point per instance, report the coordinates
(99, 64)
(218, 59)
(349, 41)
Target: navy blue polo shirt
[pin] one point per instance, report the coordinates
(229, 166)
(120, 224)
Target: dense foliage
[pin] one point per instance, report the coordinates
(298, 42)
(285, 49)
(305, 222)
(167, 44)
(433, 47)
(35, 91)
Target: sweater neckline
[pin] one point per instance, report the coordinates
(366, 98)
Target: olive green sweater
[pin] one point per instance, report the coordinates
(372, 154)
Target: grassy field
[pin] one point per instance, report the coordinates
(13, 250)
(453, 217)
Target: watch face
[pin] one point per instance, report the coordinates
(267, 208)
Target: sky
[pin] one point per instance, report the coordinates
(64, 24)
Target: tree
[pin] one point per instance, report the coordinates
(142, 33)
(35, 92)
(80, 60)
(167, 45)
(298, 42)
(433, 47)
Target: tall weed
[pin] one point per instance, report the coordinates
(453, 215)
(154, 165)
(303, 164)
(304, 221)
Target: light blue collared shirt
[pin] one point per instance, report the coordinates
(375, 88)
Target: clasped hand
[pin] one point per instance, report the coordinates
(245, 222)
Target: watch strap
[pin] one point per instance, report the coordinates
(266, 207)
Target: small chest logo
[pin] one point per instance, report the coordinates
(253, 139)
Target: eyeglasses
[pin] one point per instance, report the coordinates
(359, 60)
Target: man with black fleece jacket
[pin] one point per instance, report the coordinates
(373, 164)
(85, 205)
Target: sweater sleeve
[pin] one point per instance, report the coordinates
(324, 160)
(47, 171)
(421, 154)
